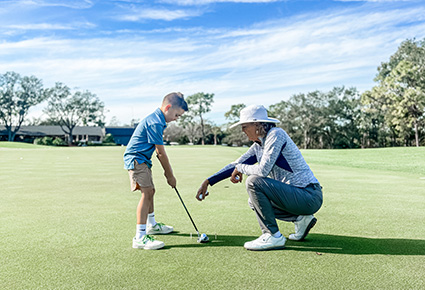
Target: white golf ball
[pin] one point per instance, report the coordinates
(200, 196)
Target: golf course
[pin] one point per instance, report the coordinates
(67, 219)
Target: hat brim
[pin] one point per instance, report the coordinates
(269, 120)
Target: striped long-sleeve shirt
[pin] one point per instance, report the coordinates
(277, 157)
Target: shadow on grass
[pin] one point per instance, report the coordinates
(221, 241)
(322, 243)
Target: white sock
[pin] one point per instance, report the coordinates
(277, 234)
(140, 231)
(151, 219)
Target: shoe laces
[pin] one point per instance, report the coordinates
(159, 225)
(147, 238)
(265, 237)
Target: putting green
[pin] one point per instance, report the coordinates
(68, 217)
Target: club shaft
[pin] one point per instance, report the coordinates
(178, 194)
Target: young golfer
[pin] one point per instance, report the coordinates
(147, 138)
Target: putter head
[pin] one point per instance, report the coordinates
(203, 239)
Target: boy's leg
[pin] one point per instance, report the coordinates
(153, 227)
(146, 215)
(145, 205)
(141, 179)
(142, 240)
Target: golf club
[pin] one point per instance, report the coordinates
(201, 238)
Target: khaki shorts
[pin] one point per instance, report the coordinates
(140, 176)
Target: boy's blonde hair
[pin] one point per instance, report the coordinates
(176, 99)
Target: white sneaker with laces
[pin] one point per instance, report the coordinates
(147, 242)
(159, 229)
(302, 227)
(266, 242)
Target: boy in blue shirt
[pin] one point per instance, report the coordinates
(147, 138)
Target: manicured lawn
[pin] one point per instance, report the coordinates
(67, 219)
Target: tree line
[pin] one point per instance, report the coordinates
(389, 114)
(64, 108)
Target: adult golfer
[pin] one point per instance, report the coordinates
(280, 184)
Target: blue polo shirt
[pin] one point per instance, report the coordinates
(147, 134)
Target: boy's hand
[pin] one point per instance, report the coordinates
(172, 181)
(203, 191)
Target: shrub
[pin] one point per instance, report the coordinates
(47, 141)
(59, 142)
(109, 138)
(38, 141)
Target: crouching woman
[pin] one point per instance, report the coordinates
(280, 184)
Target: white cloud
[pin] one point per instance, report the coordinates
(50, 26)
(75, 4)
(264, 64)
(158, 14)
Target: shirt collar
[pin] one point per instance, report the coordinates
(161, 116)
(262, 139)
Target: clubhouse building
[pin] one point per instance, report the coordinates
(81, 134)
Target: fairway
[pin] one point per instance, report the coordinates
(67, 221)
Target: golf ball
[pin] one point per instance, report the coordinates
(201, 195)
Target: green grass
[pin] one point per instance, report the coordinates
(67, 218)
(19, 145)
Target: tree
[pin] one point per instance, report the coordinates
(70, 110)
(321, 120)
(235, 135)
(17, 95)
(407, 99)
(234, 112)
(114, 121)
(199, 104)
(305, 111)
(191, 127)
(173, 133)
(342, 115)
(401, 90)
(215, 131)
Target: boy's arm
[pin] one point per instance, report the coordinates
(165, 163)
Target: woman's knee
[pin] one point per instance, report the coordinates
(252, 182)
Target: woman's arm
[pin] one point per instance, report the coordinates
(247, 158)
(273, 146)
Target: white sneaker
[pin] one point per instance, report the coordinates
(159, 229)
(266, 242)
(147, 242)
(302, 227)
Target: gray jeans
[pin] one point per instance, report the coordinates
(272, 199)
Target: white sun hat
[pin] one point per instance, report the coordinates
(254, 113)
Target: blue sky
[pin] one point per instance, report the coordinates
(132, 53)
